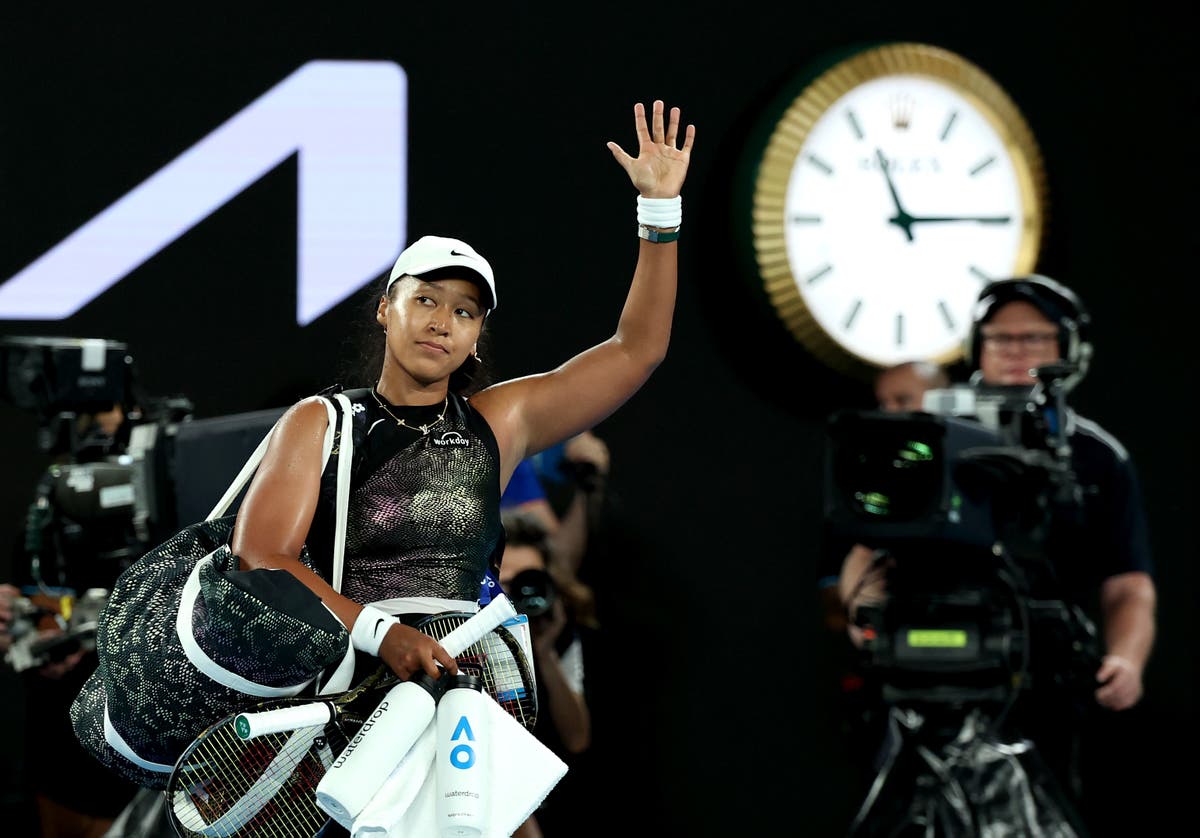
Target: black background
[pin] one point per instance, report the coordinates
(713, 711)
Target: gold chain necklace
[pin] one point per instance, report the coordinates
(424, 429)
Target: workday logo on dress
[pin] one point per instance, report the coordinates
(451, 438)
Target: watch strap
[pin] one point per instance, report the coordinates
(657, 236)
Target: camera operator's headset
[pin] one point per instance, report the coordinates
(1054, 300)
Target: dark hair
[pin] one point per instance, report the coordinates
(524, 529)
(367, 342)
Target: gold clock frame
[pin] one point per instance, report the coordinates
(791, 130)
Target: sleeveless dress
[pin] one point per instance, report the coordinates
(424, 509)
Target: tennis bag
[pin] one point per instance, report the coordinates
(185, 638)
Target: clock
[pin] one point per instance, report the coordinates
(884, 191)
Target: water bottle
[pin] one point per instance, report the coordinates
(463, 760)
(383, 740)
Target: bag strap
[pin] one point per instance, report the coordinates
(339, 679)
(345, 461)
(256, 457)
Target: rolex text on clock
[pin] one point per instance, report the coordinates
(892, 188)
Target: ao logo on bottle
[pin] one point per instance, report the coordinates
(345, 121)
(462, 755)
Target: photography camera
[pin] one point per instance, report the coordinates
(532, 592)
(966, 508)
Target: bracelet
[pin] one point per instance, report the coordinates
(660, 212)
(653, 234)
(370, 626)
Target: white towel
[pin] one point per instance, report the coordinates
(359, 771)
(523, 772)
(399, 789)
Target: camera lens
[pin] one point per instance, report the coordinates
(532, 592)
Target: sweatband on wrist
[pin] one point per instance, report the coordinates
(660, 212)
(370, 626)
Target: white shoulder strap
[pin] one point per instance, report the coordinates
(345, 456)
(252, 463)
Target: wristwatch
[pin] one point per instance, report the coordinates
(653, 234)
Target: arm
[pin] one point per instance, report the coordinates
(570, 536)
(273, 522)
(1127, 603)
(568, 707)
(532, 413)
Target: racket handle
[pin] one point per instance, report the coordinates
(478, 625)
(249, 725)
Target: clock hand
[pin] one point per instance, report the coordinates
(982, 219)
(901, 219)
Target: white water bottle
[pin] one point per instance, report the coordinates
(463, 760)
(362, 766)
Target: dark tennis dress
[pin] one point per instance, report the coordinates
(424, 509)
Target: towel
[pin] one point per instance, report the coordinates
(523, 771)
(399, 789)
(383, 741)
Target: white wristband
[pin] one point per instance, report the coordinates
(370, 626)
(660, 212)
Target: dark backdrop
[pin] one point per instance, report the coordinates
(714, 708)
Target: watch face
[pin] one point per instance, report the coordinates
(890, 192)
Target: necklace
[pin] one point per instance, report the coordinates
(424, 429)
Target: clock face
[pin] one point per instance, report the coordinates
(890, 192)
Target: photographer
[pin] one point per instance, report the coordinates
(561, 612)
(1072, 548)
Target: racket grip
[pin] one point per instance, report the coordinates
(478, 625)
(249, 725)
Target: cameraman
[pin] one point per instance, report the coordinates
(561, 612)
(1104, 559)
(1028, 345)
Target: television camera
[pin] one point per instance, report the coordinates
(966, 502)
(93, 505)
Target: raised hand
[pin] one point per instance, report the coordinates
(659, 169)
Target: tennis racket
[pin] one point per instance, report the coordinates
(256, 772)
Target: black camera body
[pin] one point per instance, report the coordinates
(962, 512)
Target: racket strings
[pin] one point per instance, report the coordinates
(226, 786)
(505, 677)
(230, 787)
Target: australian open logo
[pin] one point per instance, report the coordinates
(451, 438)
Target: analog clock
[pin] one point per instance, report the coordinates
(883, 195)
